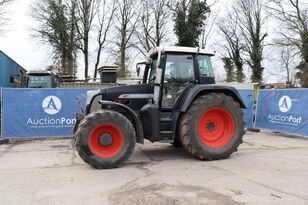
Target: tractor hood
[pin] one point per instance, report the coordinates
(113, 93)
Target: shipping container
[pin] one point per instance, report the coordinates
(11, 73)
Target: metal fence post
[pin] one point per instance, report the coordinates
(256, 109)
(1, 113)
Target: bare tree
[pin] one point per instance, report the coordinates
(86, 12)
(229, 68)
(293, 18)
(126, 17)
(207, 29)
(3, 16)
(229, 28)
(287, 59)
(105, 18)
(154, 26)
(251, 22)
(285, 63)
(56, 27)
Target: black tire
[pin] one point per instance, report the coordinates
(93, 125)
(76, 126)
(190, 128)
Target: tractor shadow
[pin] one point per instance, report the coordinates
(158, 152)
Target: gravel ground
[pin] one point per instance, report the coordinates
(268, 169)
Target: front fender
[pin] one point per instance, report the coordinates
(128, 112)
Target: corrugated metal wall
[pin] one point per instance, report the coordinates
(8, 68)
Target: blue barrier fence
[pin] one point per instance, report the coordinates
(29, 113)
(247, 96)
(283, 111)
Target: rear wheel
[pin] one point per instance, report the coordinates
(213, 127)
(105, 139)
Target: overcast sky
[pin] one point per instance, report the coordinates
(31, 54)
(18, 43)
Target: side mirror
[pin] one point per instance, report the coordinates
(138, 70)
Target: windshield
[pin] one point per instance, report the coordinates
(39, 81)
(152, 72)
(205, 66)
(180, 67)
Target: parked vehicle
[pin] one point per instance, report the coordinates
(177, 102)
(41, 79)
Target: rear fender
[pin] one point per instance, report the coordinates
(190, 94)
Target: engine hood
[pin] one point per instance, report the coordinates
(113, 93)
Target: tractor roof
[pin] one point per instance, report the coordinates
(180, 49)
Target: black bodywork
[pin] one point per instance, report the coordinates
(150, 120)
(112, 94)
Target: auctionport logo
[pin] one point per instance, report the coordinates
(284, 105)
(52, 105)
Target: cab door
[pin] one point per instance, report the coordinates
(179, 73)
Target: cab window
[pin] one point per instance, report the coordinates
(205, 66)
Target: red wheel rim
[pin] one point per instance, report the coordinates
(108, 150)
(216, 127)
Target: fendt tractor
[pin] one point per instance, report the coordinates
(177, 102)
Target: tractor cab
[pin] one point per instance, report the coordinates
(181, 63)
(177, 102)
(175, 68)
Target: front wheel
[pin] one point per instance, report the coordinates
(105, 139)
(213, 127)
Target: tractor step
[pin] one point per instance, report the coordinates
(165, 122)
(165, 119)
(166, 136)
(166, 132)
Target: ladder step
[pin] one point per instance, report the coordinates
(165, 119)
(166, 132)
(166, 136)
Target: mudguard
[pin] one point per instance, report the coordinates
(131, 115)
(193, 91)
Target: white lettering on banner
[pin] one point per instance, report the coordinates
(51, 122)
(285, 104)
(283, 119)
(51, 105)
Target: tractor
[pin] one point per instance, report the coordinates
(177, 102)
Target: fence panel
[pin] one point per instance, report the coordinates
(1, 109)
(283, 111)
(247, 96)
(31, 113)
